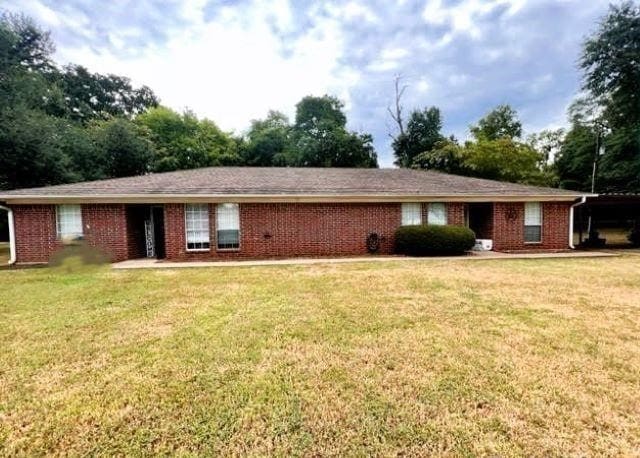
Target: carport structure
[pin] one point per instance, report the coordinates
(608, 216)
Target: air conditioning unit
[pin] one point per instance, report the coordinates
(483, 245)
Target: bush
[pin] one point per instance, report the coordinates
(429, 240)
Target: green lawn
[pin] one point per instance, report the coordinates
(503, 358)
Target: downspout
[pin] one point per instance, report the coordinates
(583, 200)
(12, 235)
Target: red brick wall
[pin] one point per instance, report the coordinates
(35, 229)
(284, 230)
(455, 213)
(104, 228)
(508, 226)
(274, 230)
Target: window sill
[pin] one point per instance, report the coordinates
(533, 243)
(198, 250)
(227, 249)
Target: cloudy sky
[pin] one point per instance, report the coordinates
(231, 61)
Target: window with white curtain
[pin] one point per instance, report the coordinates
(197, 226)
(437, 214)
(411, 214)
(69, 221)
(532, 222)
(228, 226)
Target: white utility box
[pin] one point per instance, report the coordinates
(483, 245)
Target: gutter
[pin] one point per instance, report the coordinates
(582, 201)
(12, 235)
(30, 199)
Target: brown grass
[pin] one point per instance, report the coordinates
(4, 253)
(508, 358)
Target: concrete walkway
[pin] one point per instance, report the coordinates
(476, 255)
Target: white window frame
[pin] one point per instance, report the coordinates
(66, 227)
(528, 210)
(197, 213)
(411, 214)
(221, 225)
(431, 215)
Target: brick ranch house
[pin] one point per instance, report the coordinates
(245, 212)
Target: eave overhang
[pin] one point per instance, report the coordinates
(151, 198)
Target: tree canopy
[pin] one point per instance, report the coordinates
(182, 141)
(95, 96)
(269, 141)
(611, 64)
(49, 117)
(66, 124)
(608, 111)
(318, 138)
(501, 122)
(502, 159)
(422, 133)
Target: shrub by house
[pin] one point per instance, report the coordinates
(432, 240)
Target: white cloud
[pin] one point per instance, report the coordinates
(53, 19)
(390, 59)
(355, 10)
(458, 80)
(462, 17)
(394, 53)
(423, 85)
(232, 69)
(39, 12)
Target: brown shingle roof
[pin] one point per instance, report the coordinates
(264, 181)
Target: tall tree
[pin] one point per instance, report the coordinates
(41, 140)
(326, 110)
(446, 156)
(269, 141)
(611, 64)
(422, 134)
(574, 162)
(322, 139)
(24, 45)
(501, 122)
(503, 159)
(396, 111)
(608, 113)
(125, 150)
(94, 96)
(30, 150)
(548, 143)
(619, 167)
(324, 147)
(182, 141)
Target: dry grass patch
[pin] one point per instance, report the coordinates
(4, 253)
(509, 358)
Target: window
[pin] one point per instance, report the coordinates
(437, 214)
(532, 222)
(411, 214)
(197, 226)
(69, 221)
(228, 226)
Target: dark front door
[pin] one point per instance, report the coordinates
(481, 219)
(158, 231)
